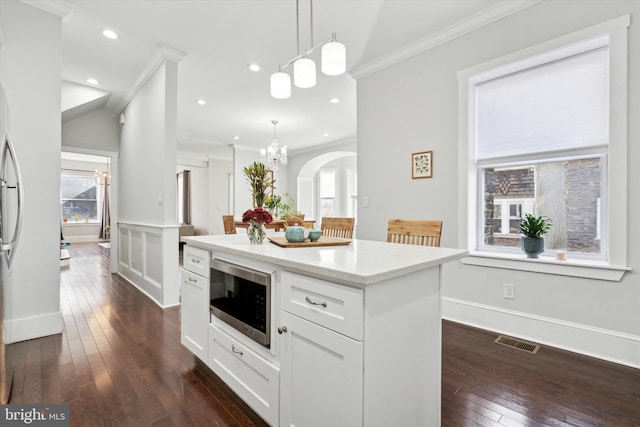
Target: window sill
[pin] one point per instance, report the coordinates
(547, 265)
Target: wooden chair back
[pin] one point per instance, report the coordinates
(229, 224)
(337, 227)
(414, 232)
(294, 220)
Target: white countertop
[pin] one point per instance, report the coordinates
(362, 262)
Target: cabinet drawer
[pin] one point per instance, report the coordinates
(337, 307)
(196, 260)
(253, 378)
(194, 314)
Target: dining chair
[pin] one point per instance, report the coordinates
(414, 232)
(337, 227)
(229, 224)
(294, 220)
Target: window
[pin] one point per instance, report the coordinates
(79, 197)
(327, 192)
(546, 134)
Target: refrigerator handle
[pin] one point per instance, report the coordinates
(8, 149)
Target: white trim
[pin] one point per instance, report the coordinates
(445, 35)
(56, 7)
(573, 268)
(146, 293)
(29, 328)
(162, 54)
(617, 347)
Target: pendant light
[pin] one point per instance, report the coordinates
(333, 62)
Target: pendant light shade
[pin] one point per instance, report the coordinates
(334, 58)
(304, 73)
(333, 62)
(280, 85)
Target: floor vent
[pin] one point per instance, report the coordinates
(518, 344)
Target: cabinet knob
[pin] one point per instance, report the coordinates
(282, 330)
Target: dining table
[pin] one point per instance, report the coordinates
(277, 225)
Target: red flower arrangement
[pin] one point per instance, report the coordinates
(258, 215)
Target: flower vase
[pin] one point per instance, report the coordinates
(256, 232)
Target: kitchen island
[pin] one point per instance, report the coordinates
(355, 330)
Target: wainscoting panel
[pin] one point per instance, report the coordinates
(584, 339)
(149, 260)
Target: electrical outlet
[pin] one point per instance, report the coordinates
(509, 291)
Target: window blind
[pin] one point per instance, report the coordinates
(561, 105)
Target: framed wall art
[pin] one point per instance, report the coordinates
(422, 164)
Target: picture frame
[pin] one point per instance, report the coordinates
(422, 164)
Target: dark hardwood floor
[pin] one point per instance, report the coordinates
(119, 362)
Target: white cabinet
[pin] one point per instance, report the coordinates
(194, 298)
(320, 375)
(321, 353)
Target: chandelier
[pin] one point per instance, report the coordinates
(274, 154)
(304, 69)
(103, 177)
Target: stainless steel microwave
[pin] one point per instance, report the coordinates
(241, 297)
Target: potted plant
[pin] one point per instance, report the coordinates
(533, 228)
(286, 205)
(259, 179)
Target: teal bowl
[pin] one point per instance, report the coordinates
(314, 235)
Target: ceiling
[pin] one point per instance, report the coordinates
(221, 37)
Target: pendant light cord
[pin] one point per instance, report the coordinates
(298, 25)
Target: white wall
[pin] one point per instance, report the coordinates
(30, 66)
(412, 106)
(97, 130)
(147, 230)
(220, 171)
(148, 153)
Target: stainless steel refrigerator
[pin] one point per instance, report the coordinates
(11, 199)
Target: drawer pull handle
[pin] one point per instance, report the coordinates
(235, 350)
(312, 302)
(195, 261)
(191, 279)
(282, 330)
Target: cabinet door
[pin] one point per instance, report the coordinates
(320, 375)
(194, 313)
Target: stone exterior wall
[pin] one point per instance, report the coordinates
(582, 179)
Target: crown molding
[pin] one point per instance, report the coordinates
(448, 33)
(163, 53)
(57, 7)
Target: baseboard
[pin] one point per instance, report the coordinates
(134, 284)
(33, 327)
(600, 343)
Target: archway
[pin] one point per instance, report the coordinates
(306, 190)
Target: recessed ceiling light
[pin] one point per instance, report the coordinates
(334, 100)
(93, 81)
(236, 137)
(110, 34)
(253, 67)
(201, 102)
(325, 134)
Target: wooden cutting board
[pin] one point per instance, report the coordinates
(322, 241)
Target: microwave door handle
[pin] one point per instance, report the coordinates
(20, 196)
